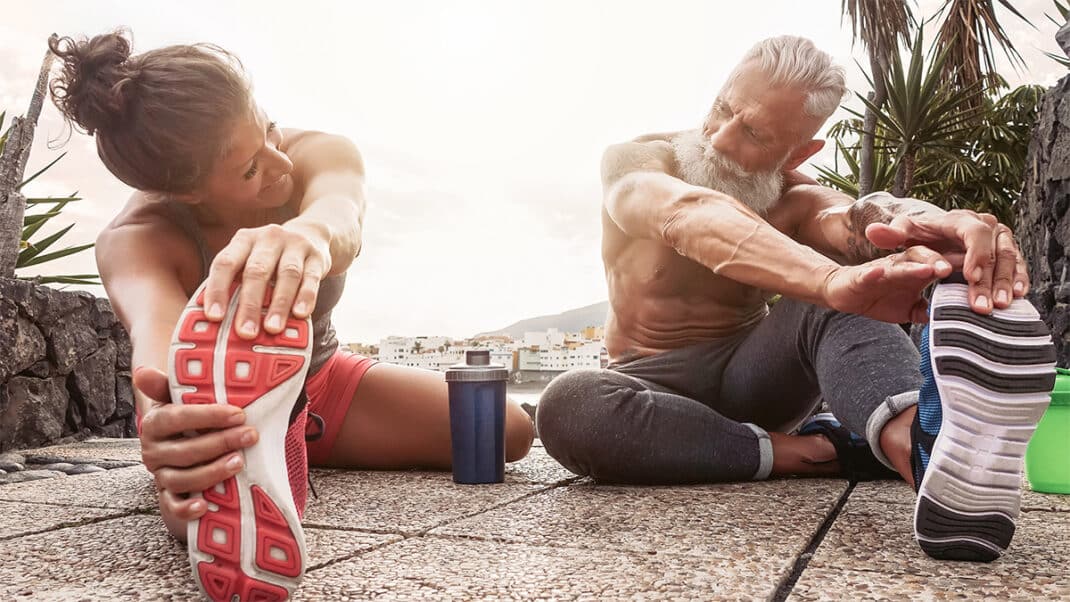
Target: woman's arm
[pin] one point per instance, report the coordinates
(323, 239)
(139, 267)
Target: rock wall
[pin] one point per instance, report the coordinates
(64, 367)
(1043, 226)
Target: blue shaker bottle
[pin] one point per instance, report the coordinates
(477, 418)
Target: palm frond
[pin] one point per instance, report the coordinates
(972, 33)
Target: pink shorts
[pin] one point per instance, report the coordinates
(330, 393)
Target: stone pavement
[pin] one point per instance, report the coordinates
(544, 534)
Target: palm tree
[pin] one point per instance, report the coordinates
(981, 167)
(925, 113)
(880, 25)
(970, 33)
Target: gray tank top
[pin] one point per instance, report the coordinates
(324, 342)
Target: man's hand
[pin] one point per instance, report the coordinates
(183, 464)
(977, 244)
(296, 258)
(887, 289)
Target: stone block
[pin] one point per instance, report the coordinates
(124, 488)
(94, 386)
(20, 518)
(32, 412)
(132, 558)
(438, 568)
(875, 536)
(701, 521)
(71, 340)
(401, 502)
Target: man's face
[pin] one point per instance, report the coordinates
(757, 126)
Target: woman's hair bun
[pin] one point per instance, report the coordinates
(97, 82)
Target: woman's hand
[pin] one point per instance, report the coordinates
(183, 464)
(295, 256)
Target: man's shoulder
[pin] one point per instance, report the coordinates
(666, 137)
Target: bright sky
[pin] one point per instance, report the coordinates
(481, 124)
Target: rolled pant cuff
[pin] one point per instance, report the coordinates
(765, 452)
(891, 408)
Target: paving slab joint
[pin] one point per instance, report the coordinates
(71, 524)
(788, 583)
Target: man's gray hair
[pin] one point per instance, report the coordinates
(796, 61)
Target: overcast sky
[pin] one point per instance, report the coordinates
(481, 124)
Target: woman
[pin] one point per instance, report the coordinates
(224, 194)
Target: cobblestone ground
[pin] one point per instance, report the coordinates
(544, 534)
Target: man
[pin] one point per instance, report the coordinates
(701, 227)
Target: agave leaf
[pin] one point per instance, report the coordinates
(40, 171)
(57, 254)
(32, 229)
(36, 248)
(53, 199)
(82, 279)
(30, 220)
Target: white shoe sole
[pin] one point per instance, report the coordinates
(994, 375)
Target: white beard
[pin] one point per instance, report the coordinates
(699, 164)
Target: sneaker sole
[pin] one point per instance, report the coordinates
(250, 545)
(994, 375)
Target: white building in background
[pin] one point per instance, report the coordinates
(585, 355)
(571, 356)
(552, 351)
(528, 359)
(395, 350)
(544, 340)
(505, 357)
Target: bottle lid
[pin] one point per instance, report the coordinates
(476, 367)
(1061, 395)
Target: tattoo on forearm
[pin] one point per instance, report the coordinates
(879, 209)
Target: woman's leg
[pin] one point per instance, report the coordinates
(399, 418)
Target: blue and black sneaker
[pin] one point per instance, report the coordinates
(987, 381)
(856, 459)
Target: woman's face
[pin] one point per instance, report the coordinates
(253, 172)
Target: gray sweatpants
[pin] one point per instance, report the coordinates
(702, 413)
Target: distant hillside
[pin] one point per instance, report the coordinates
(572, 320)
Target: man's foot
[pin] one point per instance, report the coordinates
(856, 459)
(987, 381)
(249, 546)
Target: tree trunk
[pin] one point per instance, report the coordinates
(13, 168)
(1043, 230)
(904, 174)
(866, 161)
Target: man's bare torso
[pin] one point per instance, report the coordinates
(661, 300)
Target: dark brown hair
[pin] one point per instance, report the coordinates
(161, 117)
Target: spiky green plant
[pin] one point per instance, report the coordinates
(33, 251)
(980, 167)
(1064, 14)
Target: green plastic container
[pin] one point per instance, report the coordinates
(1047, 459)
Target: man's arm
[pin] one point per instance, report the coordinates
(834, 223)
(879, 223)
(706, 226)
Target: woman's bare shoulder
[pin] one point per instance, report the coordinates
(313, 149)
(145, 229)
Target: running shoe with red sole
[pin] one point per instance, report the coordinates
(250, 545)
